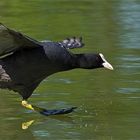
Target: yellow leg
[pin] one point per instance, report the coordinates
(29, 106)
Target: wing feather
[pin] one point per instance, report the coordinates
(11, 41)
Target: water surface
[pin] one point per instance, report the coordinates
(108, 101)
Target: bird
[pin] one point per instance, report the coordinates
(25, 62)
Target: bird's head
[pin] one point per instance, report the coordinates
(93, 61)
(104, 63)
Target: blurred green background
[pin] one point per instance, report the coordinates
(108, 101)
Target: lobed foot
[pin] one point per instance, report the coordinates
(57, 112)
(72, 43)
(47, 112)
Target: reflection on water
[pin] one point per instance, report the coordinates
(129, 19)
(25, 125)
(108, 102)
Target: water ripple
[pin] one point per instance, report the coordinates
(128, 90)
(129, 64)
(41, 133)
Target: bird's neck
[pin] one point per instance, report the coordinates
(87, 61)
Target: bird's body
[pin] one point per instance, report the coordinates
(28, 66)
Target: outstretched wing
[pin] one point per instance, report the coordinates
(10, 41)
(69, 43)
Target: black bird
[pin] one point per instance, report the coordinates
(25, 62)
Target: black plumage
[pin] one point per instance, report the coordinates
(27, 62)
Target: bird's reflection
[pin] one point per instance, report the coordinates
(26, 124)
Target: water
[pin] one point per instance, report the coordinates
(108, 101)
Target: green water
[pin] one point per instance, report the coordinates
(108, 101)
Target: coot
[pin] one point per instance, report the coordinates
(25, 62)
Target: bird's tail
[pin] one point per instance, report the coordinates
(47, 112)
(71, 43)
